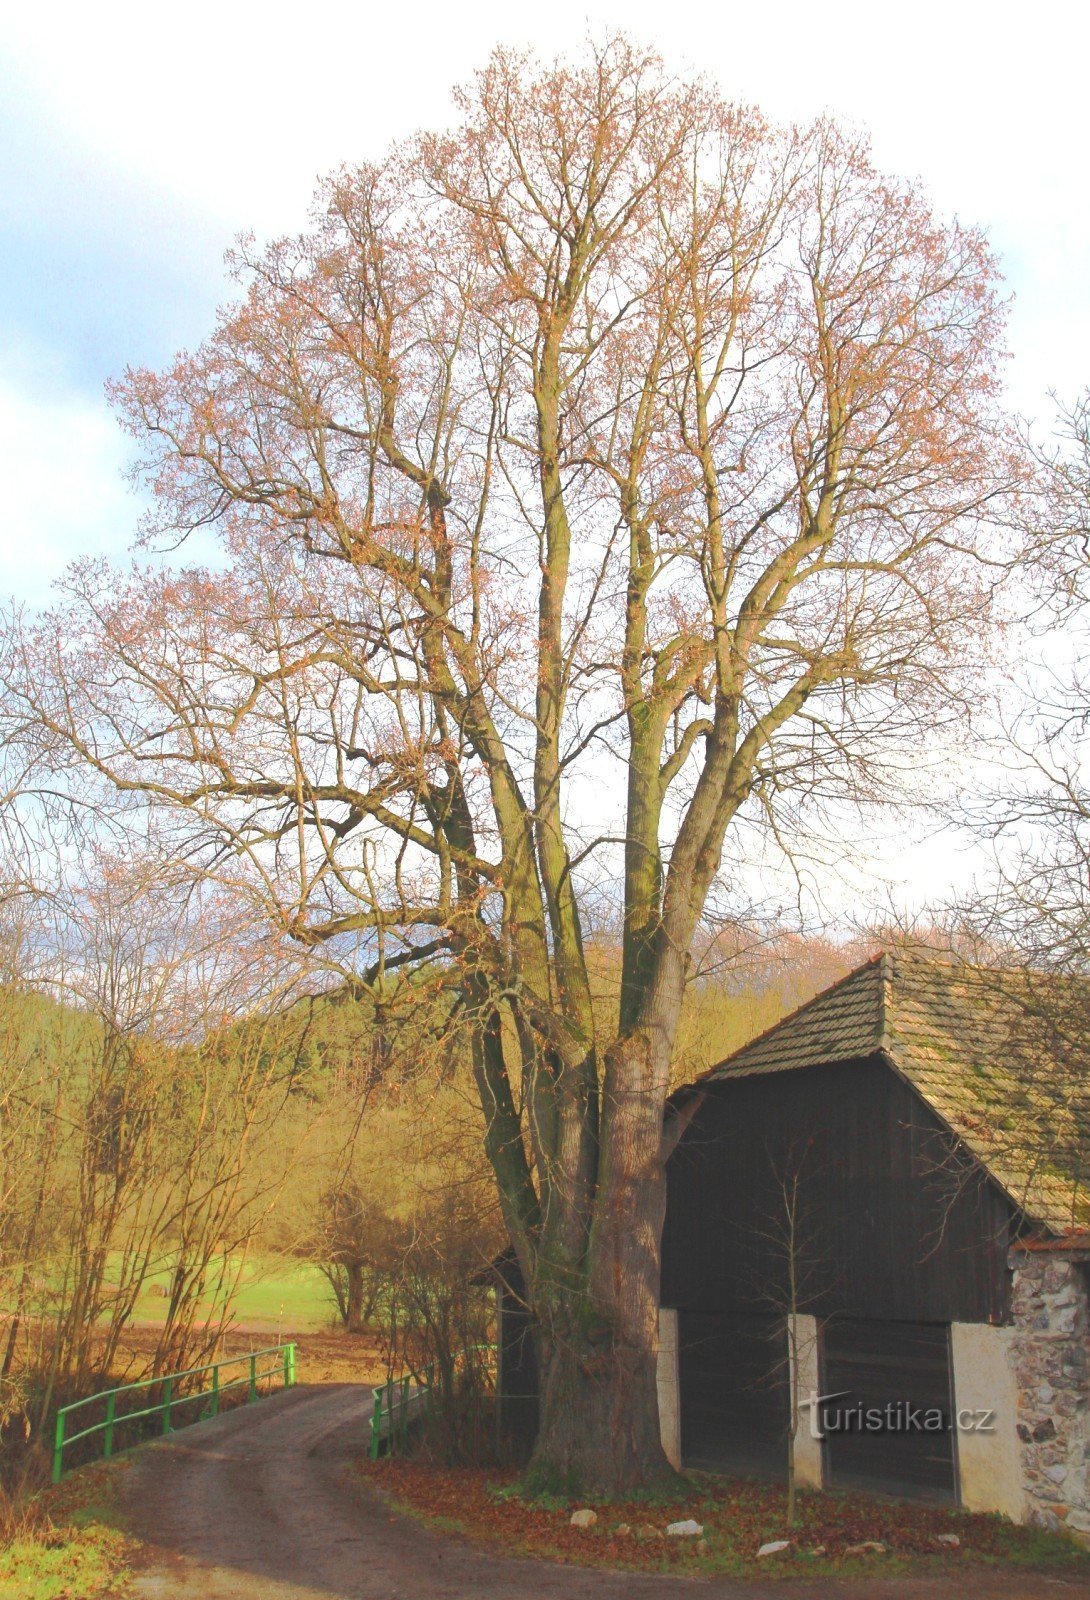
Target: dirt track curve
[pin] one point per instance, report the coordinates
(261, 1504)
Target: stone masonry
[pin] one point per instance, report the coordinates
(1050, 1352)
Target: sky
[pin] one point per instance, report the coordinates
(137, 141)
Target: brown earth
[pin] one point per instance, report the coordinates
(738, 1515)
(332, 1356)
(265, 1504)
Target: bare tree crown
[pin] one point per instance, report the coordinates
(589, 474)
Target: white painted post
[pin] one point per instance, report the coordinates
(986, 1416)
(805, 1381)
(668, 1387)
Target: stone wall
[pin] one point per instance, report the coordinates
(1050, 1352)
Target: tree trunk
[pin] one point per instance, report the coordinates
(353, 1306)
(599, 1429)
(599, 1417)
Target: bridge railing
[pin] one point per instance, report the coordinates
(170, 1398)
(397, 1401)
(394, 1404)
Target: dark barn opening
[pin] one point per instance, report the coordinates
(734, 1392)
(517, 1378)
(900, 1373)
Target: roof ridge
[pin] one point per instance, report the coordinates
(775, 1027)
(887, 973)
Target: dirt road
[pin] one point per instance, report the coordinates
(261, 1504)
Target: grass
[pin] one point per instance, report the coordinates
(293, 1296)
(84, 1560)
(738, 1516)
(275, 1294)
(71, 1545)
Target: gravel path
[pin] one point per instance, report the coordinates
(261, 1504)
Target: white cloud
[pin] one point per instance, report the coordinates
(61, 463)
(233, 111)
(169, 129)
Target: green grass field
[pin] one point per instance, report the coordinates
(291, 1296)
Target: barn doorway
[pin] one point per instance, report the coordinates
(900, 1372)
(732, 1374)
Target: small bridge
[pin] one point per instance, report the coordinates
(169, 1393)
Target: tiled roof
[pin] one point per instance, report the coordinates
(994, 1053)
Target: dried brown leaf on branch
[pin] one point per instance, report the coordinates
(603, 484)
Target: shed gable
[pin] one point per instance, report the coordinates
(890, 1220)
(985, 1050)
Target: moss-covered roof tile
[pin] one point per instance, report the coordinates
(997, 1054)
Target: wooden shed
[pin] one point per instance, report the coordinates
(847, 1205)
(847, 1196)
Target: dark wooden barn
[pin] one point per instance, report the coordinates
(846, 1202)
(846, 1196)
(854, 1180)
(517, 1377)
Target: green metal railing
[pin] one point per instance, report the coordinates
(394, 1403)
(284, 1366)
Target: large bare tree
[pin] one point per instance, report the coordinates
(596, 477)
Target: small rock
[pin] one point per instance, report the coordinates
(775, 1547)
(818, 1550)
(869, 1547)
(622, 1531)
(584, 1519)
(702, 1545)
(684, 1530)
(950, 1539)
(645, 1531)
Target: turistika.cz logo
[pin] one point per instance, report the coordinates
(896, 1416)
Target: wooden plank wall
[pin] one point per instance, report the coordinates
(889, 1223)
